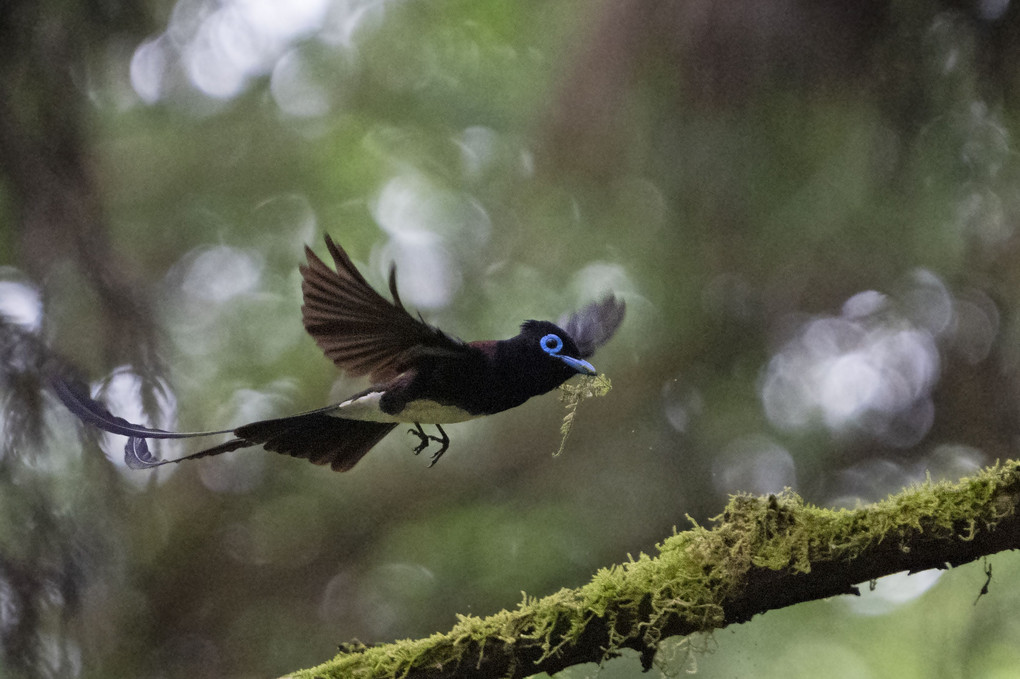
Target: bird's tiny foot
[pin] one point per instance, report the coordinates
(420, 433)
(439, 453)
(443, 441)
(425, 438)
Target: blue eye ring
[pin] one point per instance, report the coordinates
(551, 344)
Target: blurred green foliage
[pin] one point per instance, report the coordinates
(738, 177)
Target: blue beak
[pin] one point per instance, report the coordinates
(583, 367)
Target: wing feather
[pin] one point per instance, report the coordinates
(594, 325)
(357, 328)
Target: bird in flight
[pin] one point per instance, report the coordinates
(420, 374)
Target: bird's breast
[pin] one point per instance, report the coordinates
(366, 407)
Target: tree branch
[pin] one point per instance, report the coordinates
(763, 553)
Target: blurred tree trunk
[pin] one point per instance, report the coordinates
(47, 57)
(48, 180)
(721, 56)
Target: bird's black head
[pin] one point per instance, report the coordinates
(551, 347)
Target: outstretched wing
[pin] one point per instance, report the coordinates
(357, 328)
(592, 326)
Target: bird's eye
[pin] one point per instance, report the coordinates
(551, 344)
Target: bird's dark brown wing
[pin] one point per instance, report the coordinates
(357, 328)
(592, 326)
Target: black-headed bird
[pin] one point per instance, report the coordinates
(420, 374)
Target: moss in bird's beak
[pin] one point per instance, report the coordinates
(575, 391)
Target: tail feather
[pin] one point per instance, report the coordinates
(76, 398)
(137, 455)
(315, 436)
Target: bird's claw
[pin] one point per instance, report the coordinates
(424, 439)
(444, 441)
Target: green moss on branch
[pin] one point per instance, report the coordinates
(761, 554)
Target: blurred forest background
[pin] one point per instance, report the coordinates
(811, 208)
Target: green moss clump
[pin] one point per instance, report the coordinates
(697, 574)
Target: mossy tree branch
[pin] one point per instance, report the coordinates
(763, 553)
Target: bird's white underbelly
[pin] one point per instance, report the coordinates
(366, 407)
